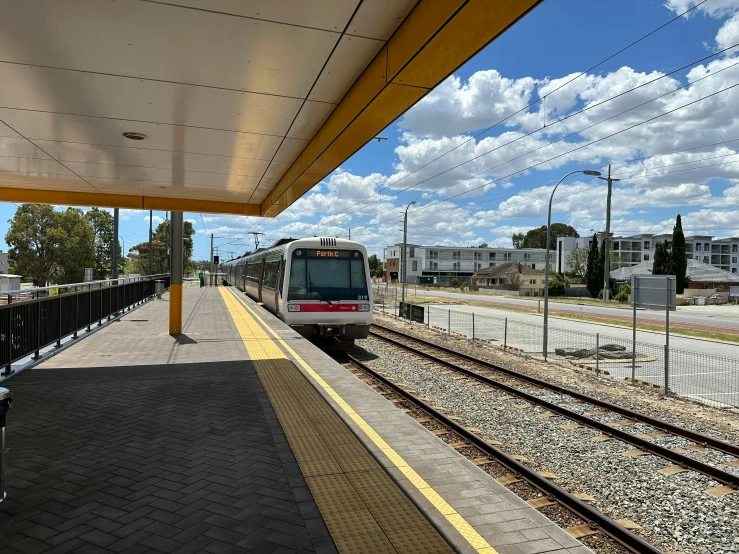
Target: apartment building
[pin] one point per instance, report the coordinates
(635, 249)
(447, 262)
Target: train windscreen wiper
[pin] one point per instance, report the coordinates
(318, 292)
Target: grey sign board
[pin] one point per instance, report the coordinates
(734, 291)
(653, 292)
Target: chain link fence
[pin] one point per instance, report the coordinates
(708, 378)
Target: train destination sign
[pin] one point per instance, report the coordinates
(319, 253)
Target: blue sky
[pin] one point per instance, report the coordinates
(478, 202)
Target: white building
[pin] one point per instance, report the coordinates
(448, 262)
(4, 262)
(635, 249)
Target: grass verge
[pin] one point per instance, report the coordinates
(674, 329)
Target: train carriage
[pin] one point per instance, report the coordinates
(319, 286)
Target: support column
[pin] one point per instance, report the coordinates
(175, 287)
(114, 273)
(150, 269)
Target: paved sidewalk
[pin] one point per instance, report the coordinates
(132, 441)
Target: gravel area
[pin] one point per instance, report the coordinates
(721, 424)
(675, 511)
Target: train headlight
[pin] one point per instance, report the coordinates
(293, 307)
(364, 307)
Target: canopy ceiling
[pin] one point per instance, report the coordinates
(243, 105)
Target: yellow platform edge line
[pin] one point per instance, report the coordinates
(475, 540)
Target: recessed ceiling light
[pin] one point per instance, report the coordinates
(135, 136)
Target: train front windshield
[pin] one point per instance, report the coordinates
(327, 275)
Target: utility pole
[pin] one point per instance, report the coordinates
(403, 256)
(350, 234)
(150, 216)
(114, 273)
(211, 253)
(607, 238)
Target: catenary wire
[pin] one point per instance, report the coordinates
(586, 145)
(487, 170)
(484, 131)
(546, 127)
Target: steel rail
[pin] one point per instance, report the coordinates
(594, 518)
(681, 460)
(705, 440)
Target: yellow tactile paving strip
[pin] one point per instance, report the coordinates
(363, 508)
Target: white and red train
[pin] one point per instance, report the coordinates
(318, 286)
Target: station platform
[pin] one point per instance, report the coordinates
(237, 436)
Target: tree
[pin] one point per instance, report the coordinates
(557, 284)
(617, 261)
(661, 264)
(34, 239)
(49, 246)
(483, 245)
(375, 265)
(101, 222)
(578, 262)
(537, 238)
(594, 275)
(139, 253)
(678, 263)
(77, 250)
(514, 279)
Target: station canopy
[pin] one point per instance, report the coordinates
(222, 106)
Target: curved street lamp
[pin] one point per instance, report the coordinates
(546, 270)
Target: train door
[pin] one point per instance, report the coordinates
(261, 281)
(279, 284)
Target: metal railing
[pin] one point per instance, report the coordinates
(43, 318)
(709, 378)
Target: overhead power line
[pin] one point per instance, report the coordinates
(540, 99)
(561, 139)
(527, 200)
(586, 145)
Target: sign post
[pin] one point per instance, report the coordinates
(654, 292)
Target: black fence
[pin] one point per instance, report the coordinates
(28, 326)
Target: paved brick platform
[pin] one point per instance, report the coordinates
(131, 441)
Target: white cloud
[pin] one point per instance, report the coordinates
(455, 107)
(712, 8)
(728, 34)
(443, 123)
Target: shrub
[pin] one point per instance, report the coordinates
(623, 293)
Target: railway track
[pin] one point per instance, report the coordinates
(551, 493)
(512, 381)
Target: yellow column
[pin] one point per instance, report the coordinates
(175, 286)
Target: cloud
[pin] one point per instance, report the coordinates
(728, 34)
(456, 107)
(535, 145)
(713, 8)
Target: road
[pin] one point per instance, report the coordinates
(720, 319)
(702, 369)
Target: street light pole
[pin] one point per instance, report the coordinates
(404, 256)
(546, 270)
(607, 239)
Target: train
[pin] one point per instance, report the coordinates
(319, 286)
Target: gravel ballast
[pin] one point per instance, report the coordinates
(675, 512)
